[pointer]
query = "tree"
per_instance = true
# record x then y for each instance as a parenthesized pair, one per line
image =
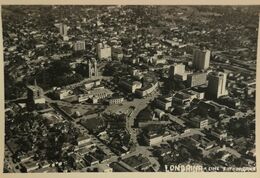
(185, 154)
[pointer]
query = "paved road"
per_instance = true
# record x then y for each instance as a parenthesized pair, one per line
(138, 104)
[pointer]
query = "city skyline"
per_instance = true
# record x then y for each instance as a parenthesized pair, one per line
(130, 88)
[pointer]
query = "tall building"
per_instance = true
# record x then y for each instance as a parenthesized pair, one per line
(92, 68)
(217, 84)
(176, 69)
(196, 79)
(79, 46)
(35, 94)
(201, 59)
(103, 51)
(63, 29)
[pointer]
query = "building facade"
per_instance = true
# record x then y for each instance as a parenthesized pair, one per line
(63, 29)
(147, 89)
(103, 51)
(35, 95)
(79, 46)
(116, 100)
(176, 69)
(196, 79)
(92, 70)
(217, 84)
(201, 59)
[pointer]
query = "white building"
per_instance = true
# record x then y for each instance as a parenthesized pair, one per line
(104, 168)
(147, 89)
(92, 84)
(103, 51)
(117, 100)
(217, 84)
(35, 94)
(176, 69)
(83, 140)
(153, 139)
(220, 134)
(62, 93)
(64, 29)
(79, 46)
(95, 94)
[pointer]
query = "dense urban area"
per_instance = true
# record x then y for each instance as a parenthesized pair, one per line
(130, 88)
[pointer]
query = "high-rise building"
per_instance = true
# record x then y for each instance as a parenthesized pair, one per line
(176, 69)
(201, 59)
(196, 79)
(217, 84)
(79, 46)
(103, 51)
(35, 94)
(92, 68)
(63, 29)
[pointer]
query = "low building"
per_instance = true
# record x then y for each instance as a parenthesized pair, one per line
(182, 100)
(198, 121)
(193, 94)
(220, 134)
(91, 160)
(167, 136)
(153, 139)
(92, 84)
(83, 140)
(104, 168)
(143, 124)
(164, 102)
(100, 93)
(65, 38)
(30, 166)
(83, 98)
(45, 170)
(203, 142)
(95, 94)
(116, 100)
(148, 89)
(199, 93)
(229, 101)
(138, 162)
(156, 60)
(62, 93)
(159, 113)
(45, 164)
(130, 86)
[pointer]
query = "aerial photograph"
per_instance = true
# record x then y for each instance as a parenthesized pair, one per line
(129, 88)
